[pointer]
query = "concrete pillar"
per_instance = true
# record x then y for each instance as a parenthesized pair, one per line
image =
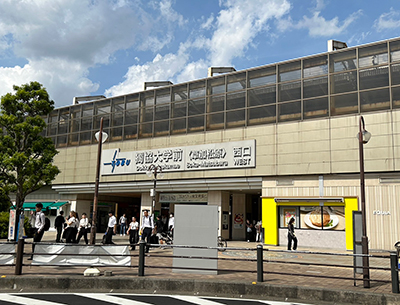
(220, 199)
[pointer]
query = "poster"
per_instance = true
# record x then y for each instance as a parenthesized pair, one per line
(238, 221)
(329, 218)
(12, 225)
(287, 214)
(225, 220)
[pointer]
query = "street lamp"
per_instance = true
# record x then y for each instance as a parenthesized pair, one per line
(154, 171)
(101, 137)
(363, 138)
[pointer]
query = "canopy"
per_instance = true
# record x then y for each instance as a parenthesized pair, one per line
(46, 204)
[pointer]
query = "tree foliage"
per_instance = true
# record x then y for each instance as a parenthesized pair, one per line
(26, 156)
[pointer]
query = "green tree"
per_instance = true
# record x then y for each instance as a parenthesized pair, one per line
(26, 156)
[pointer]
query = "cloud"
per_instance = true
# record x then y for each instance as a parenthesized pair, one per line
(389, 20)
(71, 36)
(318, 26)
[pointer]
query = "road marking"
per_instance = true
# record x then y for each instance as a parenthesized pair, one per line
(111, 298)
(24, 300)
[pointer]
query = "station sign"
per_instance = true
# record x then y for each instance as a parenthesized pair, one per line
(227, 155)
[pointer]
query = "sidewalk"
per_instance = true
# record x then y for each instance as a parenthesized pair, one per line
(231, 280)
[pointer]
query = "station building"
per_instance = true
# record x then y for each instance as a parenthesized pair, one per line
(268, 143)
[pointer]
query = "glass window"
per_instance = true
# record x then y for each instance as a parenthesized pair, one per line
(315, 66)
(286, 213)
(118, 104)
(76, 112)
(343, 61)
(215, 120)
(322, 218)
(290, 71)
(236, 82)
(262, 77)
(342, 104)
(196, 123)
(197, 106)
(373, 55)
(146, 130)
(117, 119)
(178, 126)
(130, 132)
(74, 125)
(163, 96)
(344, 82)
(179, 109)
(374, 77)
(216, 103)
(52, 129)
(394, 51)
(179, 93)
(73, 139)
(131, 117)
(375, 100)
(86, 138)
(262, 96)
(161, 128)
(146, 114)
(97, 119)
(396, 97)
(132, 101)
(116, 134)
(316, 107)
(63, 122)
(315, 87)
(289, 111)
(87, 110)
(236, 118)
(147, 99)
(62, 141)
(162, 112)
(395, 74)
(216, 85)
(197, 90)
(102, 107)
(262, 115)
(53, 117)
(290, 91)
(235, 100)
(86, 123)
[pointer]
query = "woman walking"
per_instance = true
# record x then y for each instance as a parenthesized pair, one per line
(291, 235)
(133, 233)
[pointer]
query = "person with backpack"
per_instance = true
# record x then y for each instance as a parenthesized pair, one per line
(40, 221)
(59, 225)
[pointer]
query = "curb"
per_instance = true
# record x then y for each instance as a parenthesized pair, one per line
(197, 287)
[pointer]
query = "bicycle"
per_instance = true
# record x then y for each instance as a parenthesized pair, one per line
(221, 244)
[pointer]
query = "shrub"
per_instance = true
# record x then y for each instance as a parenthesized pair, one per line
(4, 219)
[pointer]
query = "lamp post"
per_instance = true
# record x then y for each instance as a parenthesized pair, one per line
(363, 138)
(101, 137)
(154, 171)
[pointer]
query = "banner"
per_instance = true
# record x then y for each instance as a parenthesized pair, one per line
(69, 255)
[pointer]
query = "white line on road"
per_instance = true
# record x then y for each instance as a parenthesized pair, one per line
(24, 300)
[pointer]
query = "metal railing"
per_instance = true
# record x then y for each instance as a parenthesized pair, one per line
(263, 265)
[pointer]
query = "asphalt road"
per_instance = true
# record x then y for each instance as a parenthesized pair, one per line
(123, 299)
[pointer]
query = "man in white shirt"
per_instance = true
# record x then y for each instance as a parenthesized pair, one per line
(111, 228)
(171, 224)
(39, 226)
(146, 228)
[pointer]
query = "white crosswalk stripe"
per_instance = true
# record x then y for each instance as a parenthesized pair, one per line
(121, 299)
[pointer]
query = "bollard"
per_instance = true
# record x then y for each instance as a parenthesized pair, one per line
(20, 256)
(142, 246)
(260, 264)
(394, 271)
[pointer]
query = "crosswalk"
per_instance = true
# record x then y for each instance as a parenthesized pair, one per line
(123, 299)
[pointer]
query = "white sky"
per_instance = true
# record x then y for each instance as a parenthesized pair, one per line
(111, 47)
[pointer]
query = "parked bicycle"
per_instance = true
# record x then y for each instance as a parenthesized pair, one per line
(221, 244)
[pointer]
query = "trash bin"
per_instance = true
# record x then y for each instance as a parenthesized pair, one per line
(397, 246)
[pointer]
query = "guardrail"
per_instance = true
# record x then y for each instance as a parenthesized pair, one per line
(263, 264)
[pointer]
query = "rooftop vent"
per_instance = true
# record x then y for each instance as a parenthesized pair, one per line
(336, 45)
(78, 99)
(214, 70)
(157, 84)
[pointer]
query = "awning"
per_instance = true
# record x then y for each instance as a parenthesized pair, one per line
(46, 205)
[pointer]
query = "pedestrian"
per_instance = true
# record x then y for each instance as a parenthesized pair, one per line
(133, 233)
(59, 225)
(291, 235)
(171, 224)
(83, 229)
(39, 226)
(147, 228)
(72, 228)
(249, 230)
(259, 237)
(159, 229)
(111, 227)
(122, 225)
